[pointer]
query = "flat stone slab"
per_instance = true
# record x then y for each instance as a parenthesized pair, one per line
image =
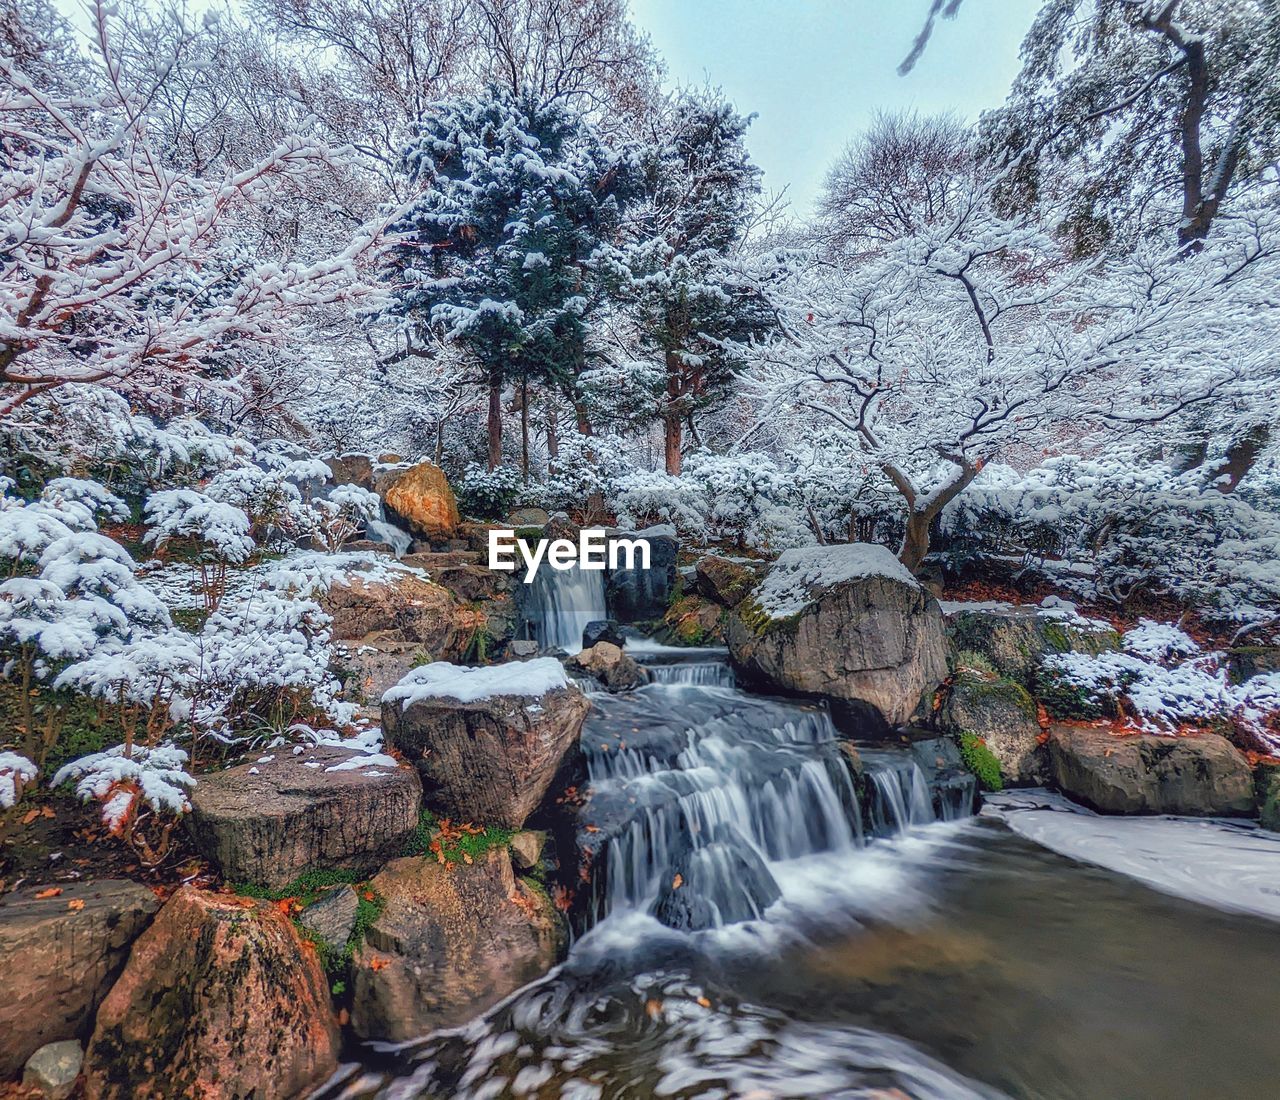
(268, 821)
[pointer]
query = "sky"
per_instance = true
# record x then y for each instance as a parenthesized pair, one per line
(816, 71)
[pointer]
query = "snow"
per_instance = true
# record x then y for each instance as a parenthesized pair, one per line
(441, 680)
(1156, 641)
(800, 574)
(15, 772)
(155, 776)
(955, 607)
(1226, 866)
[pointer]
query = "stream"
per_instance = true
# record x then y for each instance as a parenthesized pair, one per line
(845, 936)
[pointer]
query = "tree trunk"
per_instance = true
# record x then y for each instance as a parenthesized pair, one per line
(584, 425)
(553, 433)
(495, 421)
(922, 513)
(524, 427)
(672, 421)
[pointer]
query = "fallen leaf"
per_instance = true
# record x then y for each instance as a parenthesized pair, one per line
(704, 1002)
(47, 811)
(653, 1008)
(76, 904)
(377, 963)
(51, 892)
(677, 882)
(30, 816)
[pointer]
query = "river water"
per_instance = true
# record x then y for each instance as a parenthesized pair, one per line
(886, 952)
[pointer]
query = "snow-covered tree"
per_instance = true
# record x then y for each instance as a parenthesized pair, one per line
(120, 269)
(498, 252)
(678, 277)
(959, 342)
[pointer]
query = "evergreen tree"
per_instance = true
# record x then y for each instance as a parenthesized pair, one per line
(500, 249)
(680, 275)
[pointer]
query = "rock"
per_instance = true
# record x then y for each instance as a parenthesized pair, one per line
(952, 787)
(420, 497)
(53, 1069)
(449, 944)
(376, 663)
(59, 962)
(220, 998)
(694, 621)
(1267, 785)
(641, 595)
(332, 916)
(268, 821)
(522, 647)
(1203, 775)
(724, 582)
(721, 883)
(488, 761)
(560, 526)
(351, 469)
(390, 458)
(1246, 662)
(1005, 717)
(528, 517)
(405, 608)
(846, 622)
(602, 630)
(1014, 640)
(616, 670)
(526, 849)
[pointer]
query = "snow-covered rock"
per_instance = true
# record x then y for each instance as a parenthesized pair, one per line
(848, 622)
(487, 742)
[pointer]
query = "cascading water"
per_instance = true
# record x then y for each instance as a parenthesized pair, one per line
(693, 673)
(560, 603)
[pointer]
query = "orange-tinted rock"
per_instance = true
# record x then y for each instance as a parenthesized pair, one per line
(420, 496)
(218, 999)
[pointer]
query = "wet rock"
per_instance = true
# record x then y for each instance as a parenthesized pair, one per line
(522, 648)
(449, 944)
(722, 883)
(490, 760)
(352, 469)
(332, 916)
(52, 1070)
(1015, 640)
(266, 822)
(846, 622)
(724, 582)
(1203, 775)
(59, 962)
(419, 496)
(641, 595)
(602, 630)
(220, 998)
(611, 666)
(1267, 785)
(693, 621)
(1004, 715)
(526, 849)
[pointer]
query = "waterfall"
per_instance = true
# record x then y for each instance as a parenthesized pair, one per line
(711, 789)
(695, 673)
(560, 603)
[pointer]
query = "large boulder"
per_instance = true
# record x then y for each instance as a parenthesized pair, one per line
(220, 998)
(693, 621)
(420, 497)
(1014, 639)
(487, 742)
(1004, 715)
(351, 469)
(638, 595)
(449, 943)
(848, 622)
(613, 667)
(59, 956)
(400, 606)
(724, 582)
(1146, 774)
(267, 822)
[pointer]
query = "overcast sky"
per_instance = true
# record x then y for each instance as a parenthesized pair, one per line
(815, 71)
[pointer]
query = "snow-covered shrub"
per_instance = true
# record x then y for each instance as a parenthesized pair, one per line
(750, 501)
(337, 517)
(585, 470)
(219, 532)
(16, 773)
(133, 784)
(489, 494)
(66, 493)
(645, 498)
(272, 502)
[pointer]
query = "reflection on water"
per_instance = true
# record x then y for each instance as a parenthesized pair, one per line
(958, 961)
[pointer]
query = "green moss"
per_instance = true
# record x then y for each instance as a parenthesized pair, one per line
(305, 888)
(190, 619)
(529, 534)
(970, 660)
(1001, 691)
(457, 847)
(981, 761)
(422, 657)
